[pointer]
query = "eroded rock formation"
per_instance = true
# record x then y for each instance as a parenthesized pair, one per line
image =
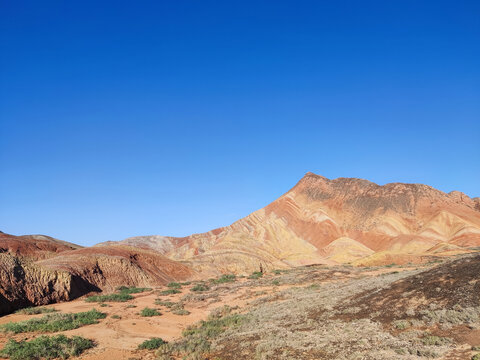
(38, 270)
(334, 221)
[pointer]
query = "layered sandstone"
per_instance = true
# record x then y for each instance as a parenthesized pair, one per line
(333, 221)
(38, 270)
(108, 267)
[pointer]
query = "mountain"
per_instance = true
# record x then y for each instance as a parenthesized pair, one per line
(318, 221)
(322, 221)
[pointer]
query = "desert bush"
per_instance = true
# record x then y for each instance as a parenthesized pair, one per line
(200, 287)
(174, 285)
(435, 340)
(147, 312)
(115, 316)
(170, 292)
(224, 279)
(55, 322)
(167, 304)
(180, 311)
(121, 297)
(476, 357)
(221, 311)
(36, 310)
(152, 344)
(131, 306)
(452, 316)
(256, 275)
(213, 326)
(200, 297)
(428, 353)
(401, 324)
(197, 339)
(46, 347)
(132, 290)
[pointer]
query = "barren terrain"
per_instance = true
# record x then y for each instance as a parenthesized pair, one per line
(312, 312)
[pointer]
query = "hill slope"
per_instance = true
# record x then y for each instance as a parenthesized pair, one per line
(305, 225)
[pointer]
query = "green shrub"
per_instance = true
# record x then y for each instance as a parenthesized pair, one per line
(131, 306)
(476, 357)
(167, 304)
(122, 297)
(170, 292)
(275, 282)
(435, 340)
(131, 290)
(200, 287)
(36, 310)
(196, 340)
(55, 322)
(174, 285)
(401, 324)
(213, 327)
(115, 316)
(224, 279)
(147, 312)
(256, 275)
(476, 348)
(178, 309)
(152, 344)
(46, 347)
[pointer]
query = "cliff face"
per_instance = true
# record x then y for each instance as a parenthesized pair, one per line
(108, 267)
(38, 270)
(334, 221)
(23, 283)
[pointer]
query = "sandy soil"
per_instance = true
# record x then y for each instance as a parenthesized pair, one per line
(118, 338)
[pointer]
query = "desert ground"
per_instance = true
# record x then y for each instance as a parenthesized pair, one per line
(412, 311)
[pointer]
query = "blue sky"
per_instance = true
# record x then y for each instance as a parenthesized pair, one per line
(122, 118)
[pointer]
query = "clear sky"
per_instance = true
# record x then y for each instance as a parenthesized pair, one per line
(123, 118)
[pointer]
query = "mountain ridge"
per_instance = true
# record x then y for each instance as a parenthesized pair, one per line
(295, 228)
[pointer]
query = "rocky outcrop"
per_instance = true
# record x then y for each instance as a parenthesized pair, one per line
(65, 271)
(108, 267)
(331, 221)
(24, 283)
